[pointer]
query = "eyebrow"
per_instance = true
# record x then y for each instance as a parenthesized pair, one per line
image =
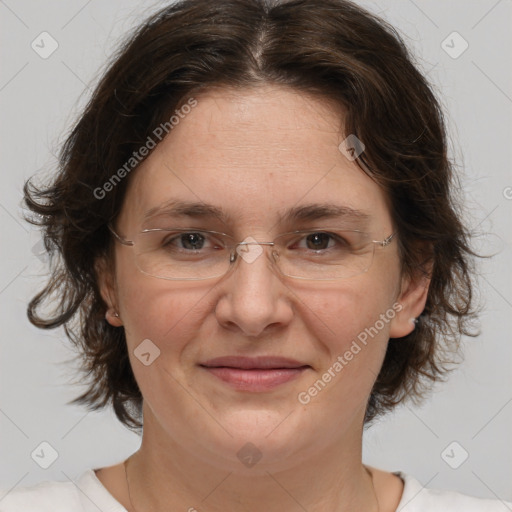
(323, 211)
(308, 212)
(175, 208)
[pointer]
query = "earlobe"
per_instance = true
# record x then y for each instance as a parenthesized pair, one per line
(108, 292)
(412, 300)
(112, 317)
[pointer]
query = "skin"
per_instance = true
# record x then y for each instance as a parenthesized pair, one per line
(255, 153)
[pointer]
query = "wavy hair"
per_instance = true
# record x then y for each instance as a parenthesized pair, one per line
(329, 48)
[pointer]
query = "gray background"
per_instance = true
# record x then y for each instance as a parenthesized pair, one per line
(39, 98)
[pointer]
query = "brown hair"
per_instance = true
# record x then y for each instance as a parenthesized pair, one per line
(330, 48)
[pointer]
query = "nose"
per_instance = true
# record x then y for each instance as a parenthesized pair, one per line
(254, 298)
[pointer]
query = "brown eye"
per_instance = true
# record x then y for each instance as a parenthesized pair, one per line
(318, 241)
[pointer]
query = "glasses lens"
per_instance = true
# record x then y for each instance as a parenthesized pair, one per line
(182, 254)
(186, 254)
(324, 254)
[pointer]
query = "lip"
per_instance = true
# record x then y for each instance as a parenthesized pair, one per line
(256, 374)
(253, 363)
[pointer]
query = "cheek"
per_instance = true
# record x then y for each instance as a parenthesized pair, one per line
(351, 326)
(339, 315)
(162, 322)
(167, 313)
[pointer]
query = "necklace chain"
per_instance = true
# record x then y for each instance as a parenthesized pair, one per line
(125, 464)
(127, 483)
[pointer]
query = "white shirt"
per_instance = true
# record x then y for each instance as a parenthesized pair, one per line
(88, 494)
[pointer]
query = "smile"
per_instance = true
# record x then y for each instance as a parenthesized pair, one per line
(254, 374)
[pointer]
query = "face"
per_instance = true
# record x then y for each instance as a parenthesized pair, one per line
(254, 155)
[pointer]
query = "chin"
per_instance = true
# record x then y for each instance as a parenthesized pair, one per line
(260, 441)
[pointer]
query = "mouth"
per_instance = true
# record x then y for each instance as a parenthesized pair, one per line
(255, 374)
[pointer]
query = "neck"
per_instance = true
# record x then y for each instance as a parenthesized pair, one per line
(163, 472)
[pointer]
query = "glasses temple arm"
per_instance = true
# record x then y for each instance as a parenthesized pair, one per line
(119, 238)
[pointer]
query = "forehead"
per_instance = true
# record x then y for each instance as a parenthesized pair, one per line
(268, 108)
(254, 153)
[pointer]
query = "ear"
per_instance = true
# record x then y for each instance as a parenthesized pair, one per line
(412, 299)
(106, 284)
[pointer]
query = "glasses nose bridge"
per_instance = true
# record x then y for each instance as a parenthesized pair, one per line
(234, 250)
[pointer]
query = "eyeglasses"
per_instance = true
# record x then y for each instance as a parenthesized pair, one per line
(192, 254)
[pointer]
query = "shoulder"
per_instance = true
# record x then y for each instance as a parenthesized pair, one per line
(44, 497)
(85, 495)
(416, 498)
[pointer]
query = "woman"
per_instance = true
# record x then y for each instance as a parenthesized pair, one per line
(260, 255)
